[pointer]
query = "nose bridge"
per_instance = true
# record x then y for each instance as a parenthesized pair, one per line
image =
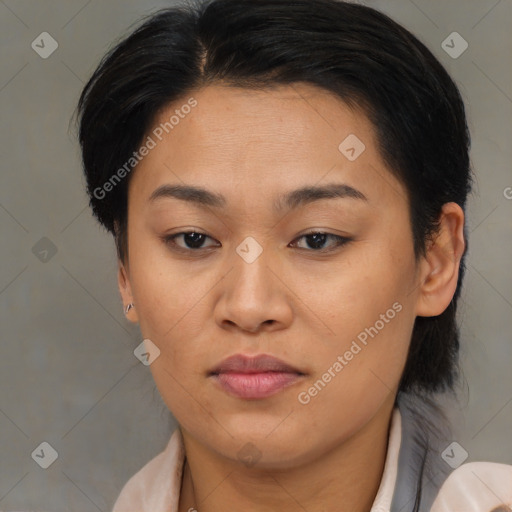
(252, 275)
(252, 294)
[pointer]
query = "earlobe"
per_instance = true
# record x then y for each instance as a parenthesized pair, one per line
(439, 270)
(123, 281)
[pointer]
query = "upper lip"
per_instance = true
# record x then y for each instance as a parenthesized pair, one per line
(240, 363)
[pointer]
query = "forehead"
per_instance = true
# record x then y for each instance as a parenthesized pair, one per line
(296, 120)
(260, 141)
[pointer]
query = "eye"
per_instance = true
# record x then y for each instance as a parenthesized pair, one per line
(191, 240)
(316, 241)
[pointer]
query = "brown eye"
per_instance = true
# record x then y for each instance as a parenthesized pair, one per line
(317, 240)
(191, 240)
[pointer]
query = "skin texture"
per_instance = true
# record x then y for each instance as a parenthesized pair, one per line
(294, 302)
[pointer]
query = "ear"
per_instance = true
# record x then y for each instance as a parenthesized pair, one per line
(123, 281)
(439, 268)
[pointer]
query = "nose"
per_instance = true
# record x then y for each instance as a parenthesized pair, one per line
(254, 297)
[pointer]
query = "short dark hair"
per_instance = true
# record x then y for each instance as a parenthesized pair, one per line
(359, 54)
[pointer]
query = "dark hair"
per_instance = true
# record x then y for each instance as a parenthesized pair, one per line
(359, 54)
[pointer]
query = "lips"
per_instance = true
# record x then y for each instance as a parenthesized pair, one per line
(254, 377)
(256, 364)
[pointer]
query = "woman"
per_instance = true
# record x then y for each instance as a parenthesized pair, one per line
(286, 185)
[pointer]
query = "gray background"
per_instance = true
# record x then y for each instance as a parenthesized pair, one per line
(68, 375)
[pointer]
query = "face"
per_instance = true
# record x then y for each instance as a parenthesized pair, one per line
(325, 280)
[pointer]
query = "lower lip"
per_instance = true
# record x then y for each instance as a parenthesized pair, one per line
(255, 385)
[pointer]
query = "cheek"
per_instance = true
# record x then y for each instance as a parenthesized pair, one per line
(368, 308)
(358, 370)
(352, 292)
(177, 384)
(168, 295)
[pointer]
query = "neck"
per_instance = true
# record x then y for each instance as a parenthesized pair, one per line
(346, 478)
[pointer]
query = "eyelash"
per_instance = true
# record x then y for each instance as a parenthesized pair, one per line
(340, 241)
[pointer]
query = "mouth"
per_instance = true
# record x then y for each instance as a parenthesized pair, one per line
(254, 378)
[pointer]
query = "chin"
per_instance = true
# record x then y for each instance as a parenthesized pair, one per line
(260, 445)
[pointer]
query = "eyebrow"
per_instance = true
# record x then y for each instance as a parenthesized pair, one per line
(311, 193)
(290, 200)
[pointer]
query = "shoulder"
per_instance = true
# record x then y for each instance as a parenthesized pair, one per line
(157, 484)
(476, 487)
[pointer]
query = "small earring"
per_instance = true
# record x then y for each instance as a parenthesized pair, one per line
(128, 307)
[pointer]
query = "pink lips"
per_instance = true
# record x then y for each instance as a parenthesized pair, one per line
(254, 377)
